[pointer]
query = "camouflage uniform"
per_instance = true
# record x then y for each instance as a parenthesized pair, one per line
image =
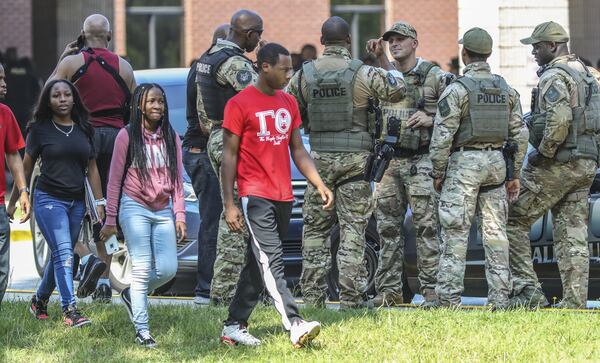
(562, 187)
(407, 181)
(238, 72)
(353, 200)
(473, 181)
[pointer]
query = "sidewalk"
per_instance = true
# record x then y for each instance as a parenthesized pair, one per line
(20, 231)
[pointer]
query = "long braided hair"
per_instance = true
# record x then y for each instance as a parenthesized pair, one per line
(137, 145)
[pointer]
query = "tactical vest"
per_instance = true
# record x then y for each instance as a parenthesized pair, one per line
(335, 125)
(214, 94)
(581, 140)
(489, 111)
(411, 139)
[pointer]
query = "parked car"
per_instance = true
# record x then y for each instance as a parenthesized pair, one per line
(542, 251)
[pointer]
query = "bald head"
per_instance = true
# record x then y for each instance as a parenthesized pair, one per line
(96, 27)
(335, 30)
(221, 32)
(245, 29)
(245, 20)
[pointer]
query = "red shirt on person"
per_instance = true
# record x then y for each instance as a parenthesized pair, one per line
(10, 141)
(264, 124)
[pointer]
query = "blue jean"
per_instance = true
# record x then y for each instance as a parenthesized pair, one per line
(206, 187)
(4, 251)
(59, 221)
(152, 246)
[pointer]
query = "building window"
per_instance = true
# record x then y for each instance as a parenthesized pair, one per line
(154, 33)
(366, 19)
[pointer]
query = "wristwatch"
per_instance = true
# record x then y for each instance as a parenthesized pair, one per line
(100, 202)
(24, 190)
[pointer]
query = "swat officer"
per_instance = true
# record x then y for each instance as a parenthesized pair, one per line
(477, 114)
(407, 179)
(223, 71)
(332, 93)
(564, 120)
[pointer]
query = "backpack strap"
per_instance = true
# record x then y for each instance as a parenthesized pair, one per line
(116, 76)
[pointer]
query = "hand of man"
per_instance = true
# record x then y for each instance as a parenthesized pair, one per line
(181, 229)
(234, 218)
(375, 46)
(437, 184)
(419, 119)
(107, 231)
(327, 197)
(25, 207)
(512, 189)
(70, 49)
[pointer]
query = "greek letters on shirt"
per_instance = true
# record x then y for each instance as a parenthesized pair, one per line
(282, 121)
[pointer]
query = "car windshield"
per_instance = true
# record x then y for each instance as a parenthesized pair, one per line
(176, 98)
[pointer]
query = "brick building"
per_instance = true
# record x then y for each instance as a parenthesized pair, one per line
(25, 24)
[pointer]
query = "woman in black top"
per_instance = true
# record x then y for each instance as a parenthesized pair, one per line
(61, 136)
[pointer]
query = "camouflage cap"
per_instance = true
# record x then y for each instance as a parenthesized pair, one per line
(547, 32)
(477, 40)
(400, 28)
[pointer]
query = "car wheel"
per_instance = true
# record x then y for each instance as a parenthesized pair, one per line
(120, 268)
(370, 261)
(41, 252)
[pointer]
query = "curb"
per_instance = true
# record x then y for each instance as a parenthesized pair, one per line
(20, 235)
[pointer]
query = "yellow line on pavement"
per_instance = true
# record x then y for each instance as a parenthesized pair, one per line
(20, 235)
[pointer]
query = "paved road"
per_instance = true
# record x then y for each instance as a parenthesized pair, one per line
(24, 280)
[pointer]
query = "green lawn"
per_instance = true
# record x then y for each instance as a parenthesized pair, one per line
(190, 334)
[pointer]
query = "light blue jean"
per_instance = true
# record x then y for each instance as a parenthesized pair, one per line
(59, 221)
(152, 246)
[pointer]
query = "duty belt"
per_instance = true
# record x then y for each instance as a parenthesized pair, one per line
(470, 148)
(404, 153)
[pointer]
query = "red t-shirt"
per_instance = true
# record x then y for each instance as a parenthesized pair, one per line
(10, 142)
(264, 124)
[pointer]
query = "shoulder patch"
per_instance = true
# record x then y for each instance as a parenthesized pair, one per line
(551, 94)
(243, 77)
(444, 107)
(391, 80)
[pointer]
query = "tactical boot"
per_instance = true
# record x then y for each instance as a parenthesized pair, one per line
(533, 300)
(351, 305)
(387, 299)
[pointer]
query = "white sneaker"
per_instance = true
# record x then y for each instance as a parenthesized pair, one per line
(238, 334)
(302, 332)
(201, 300)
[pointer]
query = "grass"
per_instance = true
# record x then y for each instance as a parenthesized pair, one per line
(190, 334)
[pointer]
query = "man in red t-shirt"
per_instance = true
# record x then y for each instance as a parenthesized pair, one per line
(10, 143)
(260, 129)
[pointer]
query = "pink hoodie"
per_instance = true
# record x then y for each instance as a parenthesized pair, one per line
(157, 192)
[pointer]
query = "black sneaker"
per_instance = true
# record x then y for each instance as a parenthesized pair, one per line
(90, 273)
(73, 317)
(144, 339)
(102, 294)
(126, 297)
(39, 308)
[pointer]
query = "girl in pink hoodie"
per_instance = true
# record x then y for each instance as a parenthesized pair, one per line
(145, 191)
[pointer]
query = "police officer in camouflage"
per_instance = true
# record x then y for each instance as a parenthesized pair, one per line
(563, 128)
(333, 93)
(407, 179)
(477, 115)
(223, 71)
